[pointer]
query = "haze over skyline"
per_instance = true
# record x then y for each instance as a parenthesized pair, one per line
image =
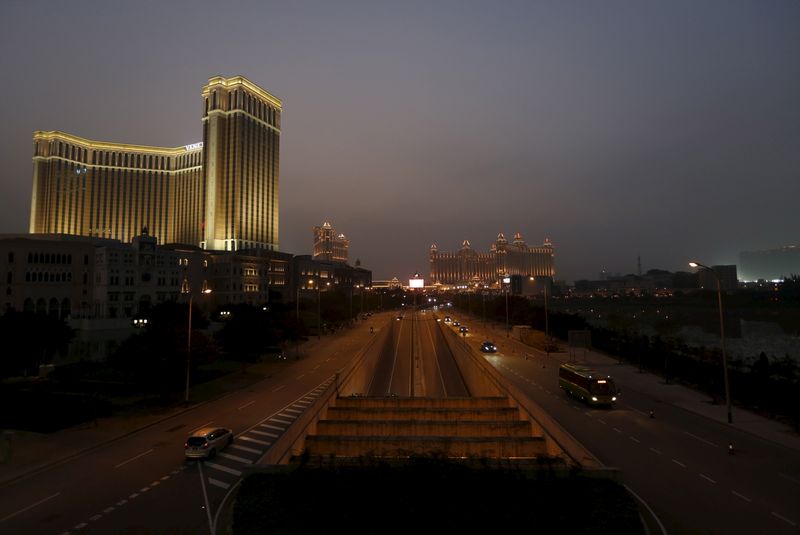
(669, 131)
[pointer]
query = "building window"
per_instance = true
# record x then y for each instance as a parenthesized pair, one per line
(10, 257)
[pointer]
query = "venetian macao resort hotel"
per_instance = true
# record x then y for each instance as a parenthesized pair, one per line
(220, 194)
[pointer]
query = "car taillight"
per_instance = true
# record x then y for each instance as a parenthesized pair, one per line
(205, 445)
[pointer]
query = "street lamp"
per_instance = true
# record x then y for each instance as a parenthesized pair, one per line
(506, 281)
(189, 336)
(721, 335)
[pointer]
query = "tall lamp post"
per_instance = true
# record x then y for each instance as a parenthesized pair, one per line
(506, 282)
(186, 290)
(721, 335)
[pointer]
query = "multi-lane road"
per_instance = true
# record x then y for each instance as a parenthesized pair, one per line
(678, 461)
(142, 484)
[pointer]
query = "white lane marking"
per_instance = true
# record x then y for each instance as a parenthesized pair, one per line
(81, 525)
(742, 496)
(790, 478)
(205, 497)
(202, 426)
(776, 515)
(263, 443)
(302, 402)
(655, 451)
(155, 483)
(275, 427)
(132, 496)
(122, 502)
(245, 448)
(95, 518)
(589, 414)
(123, 463)
(235, 458)
(700, 439)
(635, 439)
(290, 416)
(315, 368)
(301, 376)
(707, 478)
(617, 430)
(327, 359)
(264, 433)
(108, 509)
(143, 490)
(284, 422)
(223, 468)
(293, 410)
(679, 463)
(12, 515)
(218, 483)
(246, 405)
(165, 478)
(276, 389)
(660, 525)
(601, 421)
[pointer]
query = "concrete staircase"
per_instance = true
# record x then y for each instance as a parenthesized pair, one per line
(400, 427)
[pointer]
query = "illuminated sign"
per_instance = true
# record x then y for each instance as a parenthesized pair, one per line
(194, 146)
(416, 283)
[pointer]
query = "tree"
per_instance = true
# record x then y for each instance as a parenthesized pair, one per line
(248, 333)
(40, 338)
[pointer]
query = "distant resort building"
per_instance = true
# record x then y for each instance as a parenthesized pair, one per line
(328, 245)
(472, 268)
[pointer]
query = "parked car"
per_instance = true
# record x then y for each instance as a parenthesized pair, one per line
(456, 323)
(463, 329)
(207, 442)
(488, 347)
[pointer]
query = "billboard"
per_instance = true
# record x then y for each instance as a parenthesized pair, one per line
(416, 283)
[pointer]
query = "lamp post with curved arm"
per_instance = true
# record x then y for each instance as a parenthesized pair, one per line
(721, 335)
(189, 338)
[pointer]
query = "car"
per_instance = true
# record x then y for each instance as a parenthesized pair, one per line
(447, 319)
(456, 323)
(206, 442)
(398, 318)
(463, 329)
(488, 347)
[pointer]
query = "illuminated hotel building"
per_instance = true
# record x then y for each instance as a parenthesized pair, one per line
(328, 245)
(469, 267)
(221, 194)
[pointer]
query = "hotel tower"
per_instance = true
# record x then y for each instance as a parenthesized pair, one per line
(220, 194)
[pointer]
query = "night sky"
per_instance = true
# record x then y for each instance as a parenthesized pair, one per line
(669, 130)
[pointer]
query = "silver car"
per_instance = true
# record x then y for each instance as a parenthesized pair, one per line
(207, 442)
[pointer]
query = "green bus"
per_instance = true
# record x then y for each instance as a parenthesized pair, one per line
(587, 384)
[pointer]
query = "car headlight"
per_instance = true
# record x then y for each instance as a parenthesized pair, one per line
(594, 398)
(614, 398)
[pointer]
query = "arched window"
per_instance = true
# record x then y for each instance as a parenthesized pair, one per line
(54, 307)
(28, 305)
(66, 308)
(41, 306)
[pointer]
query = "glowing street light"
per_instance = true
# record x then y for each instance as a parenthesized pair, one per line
(721, 335)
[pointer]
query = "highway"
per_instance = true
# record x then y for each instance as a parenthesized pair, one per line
(678, 461)
(417, 362)
(142, 484)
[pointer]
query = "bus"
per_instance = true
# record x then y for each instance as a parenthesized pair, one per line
(587, 384)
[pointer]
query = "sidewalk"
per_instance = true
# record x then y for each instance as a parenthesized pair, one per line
(645, 383)
(24, 452)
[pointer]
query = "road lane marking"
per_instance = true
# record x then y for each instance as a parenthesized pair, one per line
(145, 489)
(263, 443)
(601, 421)
(235, 458)
(617, 430)
(652, 514)
(635, 439)
(246, 405)
(327, 359)
(742, 496)
(273, 427)
(95, 518)
(122, 502)
(776, 515)
(264, 434)
(315, 368)
(589, 414)
(108, 509)
(165, 478)
(155, 483)
(223, 468)
(278, 388)
(700, 439)
(81, 525)
(284, 422)
(790, 478)
(293, 410)
(707, 478)
(132, 496)
(245, 448)
(123, 463)
(679, 463)
(301, 376)
(218, 483)
(12, 515)
(290, 416)
(655, 451)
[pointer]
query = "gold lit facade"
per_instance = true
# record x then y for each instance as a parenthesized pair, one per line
(221, 194)
(328, 245)
(469, 267)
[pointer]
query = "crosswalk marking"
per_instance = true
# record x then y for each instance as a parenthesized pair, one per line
(263, 443)
(235, 458)
(223, 468)
(218, 483)
(277, 420)
(275, 427)
(294, 411)
(245, 448)
(264, 434)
